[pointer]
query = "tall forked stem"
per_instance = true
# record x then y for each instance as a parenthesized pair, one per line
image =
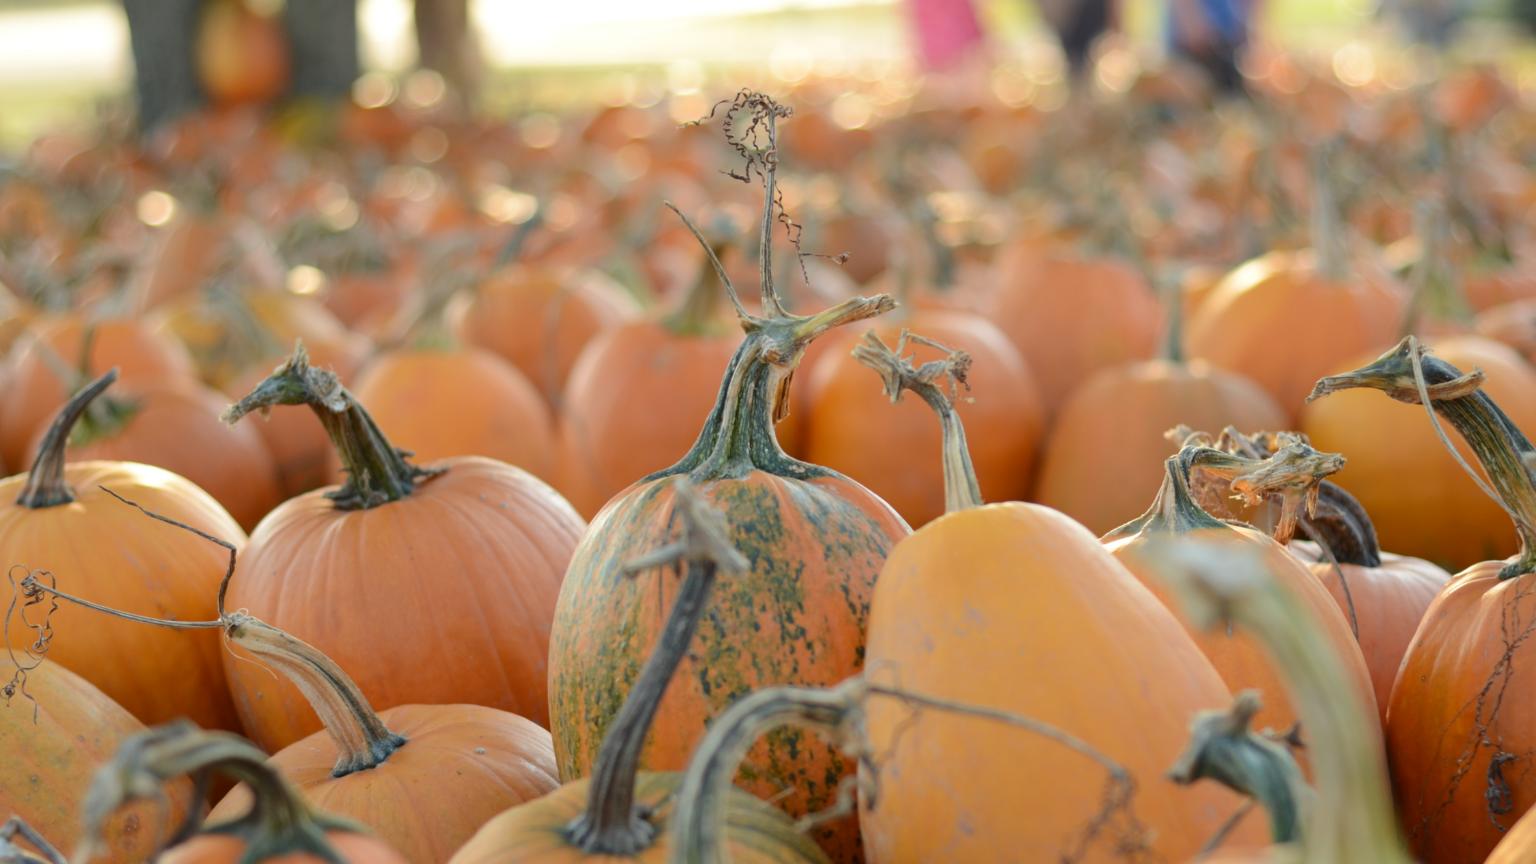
(1350, 819)
(45, 486)
(377, 471)
(1223, 748)
(1409, 374)
(937, 382)
(279, 822)
(611, 824)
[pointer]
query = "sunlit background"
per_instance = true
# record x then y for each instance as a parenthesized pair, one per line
(59, 58)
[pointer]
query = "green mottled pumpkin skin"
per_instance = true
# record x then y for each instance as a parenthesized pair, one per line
(798, 617)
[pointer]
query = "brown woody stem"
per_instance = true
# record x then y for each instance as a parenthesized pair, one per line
(1331, 255)
(1350, 819)
(10, 853)
(279, 822)
(611, 824)
(362, 741)
(1222, 748)
(1408, 374)
(961, 489)
(377, 471)
(1293, 473)
(45, 486)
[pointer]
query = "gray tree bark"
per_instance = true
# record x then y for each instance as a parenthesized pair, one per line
(323, 37)
(161, 33)
(445, 45)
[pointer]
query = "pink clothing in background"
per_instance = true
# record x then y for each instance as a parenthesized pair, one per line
(946, 30)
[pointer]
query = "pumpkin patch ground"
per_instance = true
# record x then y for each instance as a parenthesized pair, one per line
(994, 447)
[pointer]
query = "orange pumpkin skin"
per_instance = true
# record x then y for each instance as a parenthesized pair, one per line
(460, 766)
(1518, 846)
(797, 618)
(241, 57)
(1389, 604)
(1488, 289)
(473, 558)
(178, 429)
(853, 428)
(1513, 324)
(48, 763)
(1041, 307)
(102, 550)
(35, 393)
(1103, 460)
(1280, 323)
(536, 832)
(223, 849)
(1243, 662)
(457, 403)
(1459, 687)
(633, 405)
(1090, 651)
(1434, 511)
(538, 322)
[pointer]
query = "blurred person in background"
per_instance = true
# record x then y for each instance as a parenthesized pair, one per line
(1211, 34)
(1078, 24)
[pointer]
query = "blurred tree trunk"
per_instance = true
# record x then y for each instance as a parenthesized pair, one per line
(323, 37)
(446, 46)
(161, 33)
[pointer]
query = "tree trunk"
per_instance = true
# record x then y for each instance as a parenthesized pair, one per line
(161, 33)
(323, 38)
(446, 46)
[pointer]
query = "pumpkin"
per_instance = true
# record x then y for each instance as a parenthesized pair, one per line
(815, 540)
(46, 372)
(1062, 346)
(1456, 727)
(1514, 324)
(619, 811)
(55, 729)
(240, 56)
(177, 428)
(1382, 595)
(1518, 846)
(59, 518)
(1284, 319)
(1099, 464)
(424, 777)
(538, 321)
(637, 396)
(279, 826)
(1242, 661)
(1435, 511)
(472, 539)
(1023, 582)
(467, 402)
(850, 433)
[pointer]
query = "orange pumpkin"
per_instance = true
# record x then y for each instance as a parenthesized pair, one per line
(1040, 306)
(38, 387)
(815, 540)
(1024, 582)
(102, 550)
(53, 737)
(1284, 321)
(469, 402)
(1435, 511)
(850, 432)
(540, 322)
(394, 541)
(1459, 724)
(241, 57)
(1518, 846)
(425, 777)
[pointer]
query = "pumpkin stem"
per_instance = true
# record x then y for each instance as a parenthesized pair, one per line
(46, 486)
(279, 822)
(13, 854)
(377, 471)
(698, 823)
(1350, 819)
(738, 436)
(1222, 748)
(1174, 510)
(611, 824)
(699, 313)
(362, 741)
(1330, 254)
(1409, 374)
(961, 490)
(1173, 338)
(1437, 292)
(1293, 473)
